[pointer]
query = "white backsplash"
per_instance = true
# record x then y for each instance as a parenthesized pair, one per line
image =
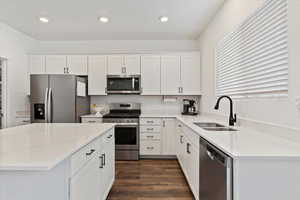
(150, 104)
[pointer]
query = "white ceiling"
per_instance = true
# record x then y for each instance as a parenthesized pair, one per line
(130, 19)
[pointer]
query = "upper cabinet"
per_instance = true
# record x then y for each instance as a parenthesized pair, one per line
(190, 74)
(37, 64)
(97, 71)
(180, 74)
(150, 75)
(77, 65)
(124, 64)
(170, 75)
(56, 64)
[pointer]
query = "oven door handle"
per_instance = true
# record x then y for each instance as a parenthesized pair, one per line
(126, 124)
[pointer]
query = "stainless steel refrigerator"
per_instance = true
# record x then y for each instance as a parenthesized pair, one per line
(58, 98)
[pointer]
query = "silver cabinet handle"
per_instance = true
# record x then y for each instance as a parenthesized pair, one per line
(164, 123)
(181, 141)
(91, 121)
(150, 122)
(150, 129)
(178, 89)
(110, 136)
(179, 125)
(150, 148)
(104, 159)
(150, 136)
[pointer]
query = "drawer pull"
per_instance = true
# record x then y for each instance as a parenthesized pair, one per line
(91, 121)
(150, 122)
(150, 136)
(150, 129)
(150, 148)
(188, 148)
(91, 152)
(179, 125)
(101, 158)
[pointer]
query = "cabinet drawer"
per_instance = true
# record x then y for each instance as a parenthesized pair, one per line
(82, 156)
(150, 129)
(150, 136)
(150, 121)
(91, 120)
(150, 147)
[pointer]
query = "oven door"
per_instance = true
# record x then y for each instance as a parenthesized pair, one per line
(123, 85)
(127, 137)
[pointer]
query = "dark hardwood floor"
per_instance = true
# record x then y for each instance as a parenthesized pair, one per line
(149, 180)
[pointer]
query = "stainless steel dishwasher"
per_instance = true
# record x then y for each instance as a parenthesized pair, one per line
(215, 173)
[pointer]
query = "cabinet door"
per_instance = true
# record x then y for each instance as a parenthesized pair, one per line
(132, 64)
(168, 137)
(97, 72)
(86, 183)
(77, 65)
(150, 68)
(56, 64)
(190, 74)
(170, 75)
(115, 64)
(37, 64)
(193, 170)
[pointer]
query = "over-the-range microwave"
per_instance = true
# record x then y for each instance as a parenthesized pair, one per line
(117, 84)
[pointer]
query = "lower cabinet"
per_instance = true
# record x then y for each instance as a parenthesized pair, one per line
(157, 136)
(187, 145)
(94, 179)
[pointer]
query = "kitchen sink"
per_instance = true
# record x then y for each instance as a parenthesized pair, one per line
(208, 124)
(211, 126)
(219, 129)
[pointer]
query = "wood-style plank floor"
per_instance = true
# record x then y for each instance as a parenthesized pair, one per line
(149, 180)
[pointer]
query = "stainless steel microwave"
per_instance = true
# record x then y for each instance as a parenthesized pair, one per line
(123, 84)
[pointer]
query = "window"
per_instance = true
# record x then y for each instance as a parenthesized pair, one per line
(253, 60)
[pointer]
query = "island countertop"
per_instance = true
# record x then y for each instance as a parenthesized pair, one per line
(43, 146)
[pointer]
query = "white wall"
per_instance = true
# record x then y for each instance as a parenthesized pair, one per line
(278, 111)
(115, 46)
(14, 46)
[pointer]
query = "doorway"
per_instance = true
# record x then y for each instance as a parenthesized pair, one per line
(3, 93)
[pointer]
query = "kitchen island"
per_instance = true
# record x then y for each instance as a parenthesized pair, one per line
(57, 161)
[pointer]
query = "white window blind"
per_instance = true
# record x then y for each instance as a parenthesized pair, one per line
(253, 60)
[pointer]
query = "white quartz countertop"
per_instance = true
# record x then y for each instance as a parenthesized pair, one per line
(43, 146)
(92, 116)
(246, 143)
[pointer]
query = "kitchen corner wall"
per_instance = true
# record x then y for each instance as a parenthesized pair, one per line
(14, 46)
(277, 111)
(150, 104)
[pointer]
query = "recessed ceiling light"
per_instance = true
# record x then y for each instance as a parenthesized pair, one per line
(103, 19)
(44, 20)
(163, 19)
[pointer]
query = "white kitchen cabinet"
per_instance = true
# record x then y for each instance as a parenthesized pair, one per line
(168, 136)
(150, 75)
(188, 156)
(77, 64)
(97, 72)
(115, 65)
(86, 183)
(170, 75)
(124, 64)
(56, 64)
(37, 64)
(190, 74)
(132, 64)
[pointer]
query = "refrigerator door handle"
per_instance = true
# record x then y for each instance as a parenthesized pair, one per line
(50, 117)
(46, 105)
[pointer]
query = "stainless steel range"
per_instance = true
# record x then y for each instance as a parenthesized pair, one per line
(126, 116)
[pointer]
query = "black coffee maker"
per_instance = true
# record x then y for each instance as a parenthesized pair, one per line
(189, 107)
